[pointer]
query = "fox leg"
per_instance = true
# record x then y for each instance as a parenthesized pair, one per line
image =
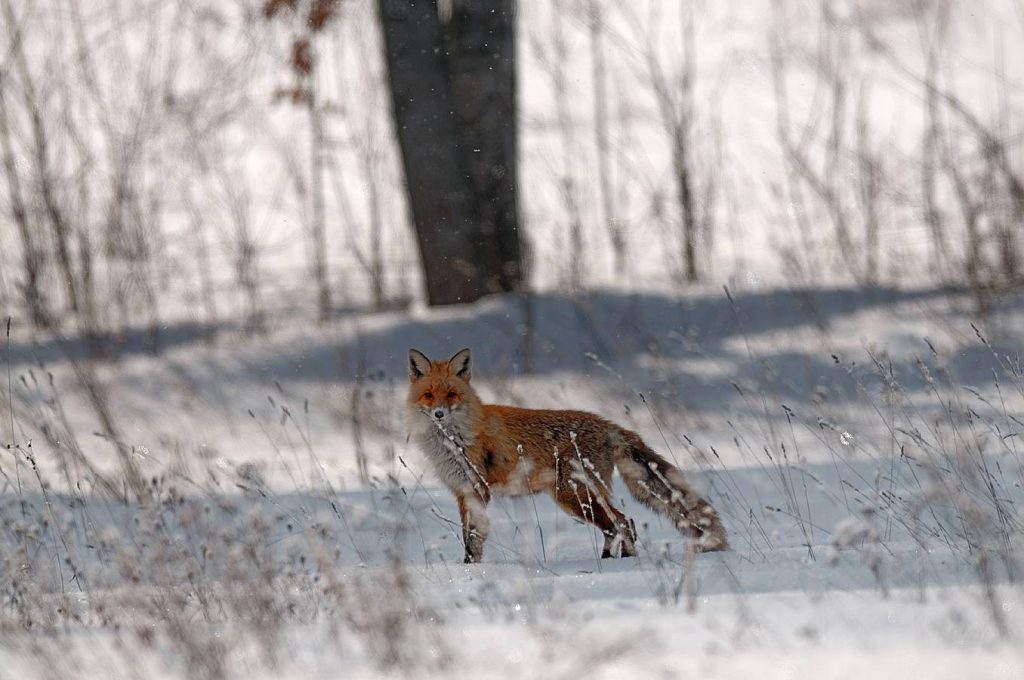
(624, 539)
(594, 507)
(473, 511)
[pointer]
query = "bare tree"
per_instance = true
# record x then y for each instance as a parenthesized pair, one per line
(310, 18)
(824, 178)
(32, 257)
(674, 96)
(238, 202)
(553, 53)
(365, 133)
(932, 29)
(996, 194)
(596, 13)
(40, 154)
(870, 171)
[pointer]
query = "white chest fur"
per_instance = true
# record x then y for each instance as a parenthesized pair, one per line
(445, 449)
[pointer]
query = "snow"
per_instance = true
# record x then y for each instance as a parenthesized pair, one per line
(848, 555)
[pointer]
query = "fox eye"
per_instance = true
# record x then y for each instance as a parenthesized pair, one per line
(451, 395)
(428, 395)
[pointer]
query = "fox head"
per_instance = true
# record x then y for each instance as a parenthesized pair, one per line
(440, 390)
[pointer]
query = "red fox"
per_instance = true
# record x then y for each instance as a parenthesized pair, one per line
(482, 449)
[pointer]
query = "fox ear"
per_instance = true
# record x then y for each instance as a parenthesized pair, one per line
(419, 364)
(459, 364)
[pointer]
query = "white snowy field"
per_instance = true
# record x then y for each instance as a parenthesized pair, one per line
(862, 446)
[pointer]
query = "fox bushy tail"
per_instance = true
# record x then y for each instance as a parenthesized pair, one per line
(661, 486)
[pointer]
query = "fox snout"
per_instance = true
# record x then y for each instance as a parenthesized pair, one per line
(439, 412)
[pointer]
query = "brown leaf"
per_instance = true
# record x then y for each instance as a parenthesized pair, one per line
(321, 12)
(302, 56)
(272, 7)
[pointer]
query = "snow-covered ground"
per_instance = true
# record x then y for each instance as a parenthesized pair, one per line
(870, 486)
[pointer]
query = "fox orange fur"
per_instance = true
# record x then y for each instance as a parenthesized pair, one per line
(479, 450)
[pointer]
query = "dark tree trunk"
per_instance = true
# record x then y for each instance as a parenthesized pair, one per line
(481, 41)
(454, 106)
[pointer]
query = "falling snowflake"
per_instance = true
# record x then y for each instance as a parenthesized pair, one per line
(846, 438)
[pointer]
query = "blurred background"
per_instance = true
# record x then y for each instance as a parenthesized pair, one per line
(216, 162)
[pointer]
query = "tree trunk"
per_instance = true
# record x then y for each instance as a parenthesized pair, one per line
(454, 111)
(689, 217)
(481, 39)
